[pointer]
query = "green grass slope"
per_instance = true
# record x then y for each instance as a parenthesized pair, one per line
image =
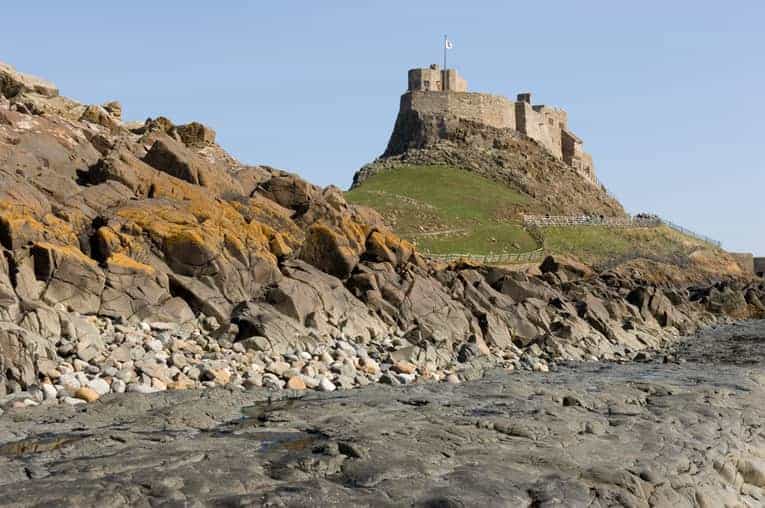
(443, 209)
(598, 245)
(447, 210)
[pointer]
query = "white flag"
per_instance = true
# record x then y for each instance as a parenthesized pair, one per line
(448, 44)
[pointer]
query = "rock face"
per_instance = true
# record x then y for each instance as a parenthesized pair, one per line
(679, 431)
(120, 224)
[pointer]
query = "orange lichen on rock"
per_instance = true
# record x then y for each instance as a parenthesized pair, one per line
(64, 252)
(329, 250)
(385, 246)
(195, 233)
(122, 263)
(19, 226)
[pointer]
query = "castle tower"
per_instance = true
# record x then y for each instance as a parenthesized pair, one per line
(434, 79)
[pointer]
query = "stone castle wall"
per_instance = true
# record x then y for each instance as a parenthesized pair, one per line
(541, 125)
(493, 110)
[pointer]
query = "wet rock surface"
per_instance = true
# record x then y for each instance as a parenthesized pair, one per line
(680, 428)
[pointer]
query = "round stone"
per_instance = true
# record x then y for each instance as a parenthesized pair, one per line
(325, 385)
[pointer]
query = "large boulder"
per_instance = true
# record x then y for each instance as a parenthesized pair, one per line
(175, 159)
(195, 134)
(320, 301)
(70, 277)
(20, 350)
(100, 116)
(13, 83)
(565, 268)
(654, 304)
(520, 287)
(289, 191)
(329, 250)
(135, 291)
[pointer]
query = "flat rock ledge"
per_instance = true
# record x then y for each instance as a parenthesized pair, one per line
(682, 430)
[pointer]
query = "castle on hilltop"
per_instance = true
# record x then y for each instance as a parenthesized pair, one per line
(434, 90)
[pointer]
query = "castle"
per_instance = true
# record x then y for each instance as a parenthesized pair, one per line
(443, 91)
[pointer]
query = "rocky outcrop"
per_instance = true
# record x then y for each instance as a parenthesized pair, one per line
(503, 155)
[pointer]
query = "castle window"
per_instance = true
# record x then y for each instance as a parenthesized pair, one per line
(550, 121)
(426, 85)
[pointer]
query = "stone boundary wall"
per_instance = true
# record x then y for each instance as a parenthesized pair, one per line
(493, 110)
(588, 220)
(650, 221)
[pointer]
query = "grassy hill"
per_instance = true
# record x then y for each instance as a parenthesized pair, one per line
(444, 209)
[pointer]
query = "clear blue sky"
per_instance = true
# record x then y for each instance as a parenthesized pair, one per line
(668, 96)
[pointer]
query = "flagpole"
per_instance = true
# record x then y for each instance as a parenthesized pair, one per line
(445, 39)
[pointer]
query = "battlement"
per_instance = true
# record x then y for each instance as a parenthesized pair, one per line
(437, 91)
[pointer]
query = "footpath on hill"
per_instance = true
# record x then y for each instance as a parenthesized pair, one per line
(681, 429)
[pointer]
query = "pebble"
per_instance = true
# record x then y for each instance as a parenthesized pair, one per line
(99, 385)
(70, 380)
(139, 388)
(325, 385)
(154, 345)
(79, 364)
(278, 368)
(118, 386)
(272, 381)
(404, 367)
(73, 401)
(87, 394)
(157, 356)
(49, 391)
(296, 383)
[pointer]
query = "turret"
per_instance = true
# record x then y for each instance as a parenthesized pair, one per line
(434, 79)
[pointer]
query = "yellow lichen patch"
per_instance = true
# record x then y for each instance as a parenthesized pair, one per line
(329, 250)
(126, 263)
(60, 230)
(356, 233)
(197, 232)
(20, 226)
(377, 247)
(403, 249)
(66, 251)
(278, 246)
